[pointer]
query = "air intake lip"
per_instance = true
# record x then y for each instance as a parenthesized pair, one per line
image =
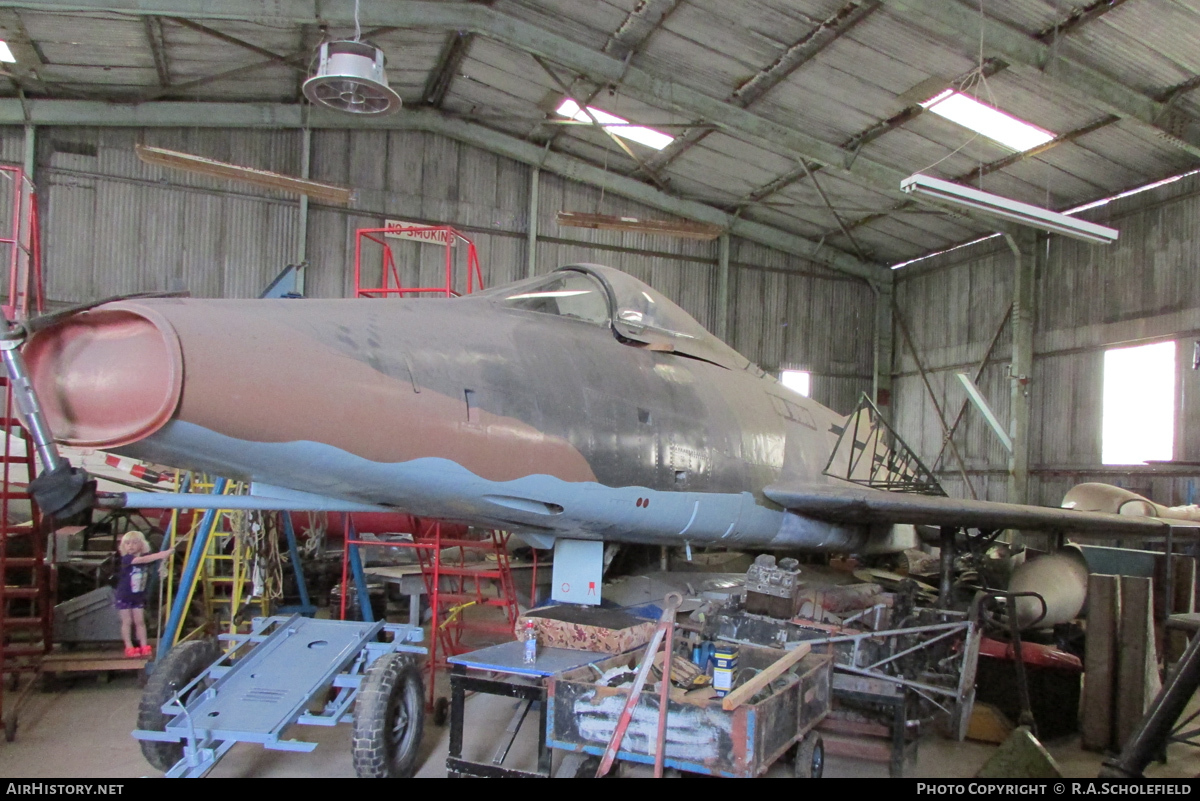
(107, 377)
(350, 78)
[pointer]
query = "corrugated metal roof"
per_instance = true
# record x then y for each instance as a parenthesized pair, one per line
(855, 82)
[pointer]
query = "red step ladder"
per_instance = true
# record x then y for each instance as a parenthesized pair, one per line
(455, 585)
(27, 582)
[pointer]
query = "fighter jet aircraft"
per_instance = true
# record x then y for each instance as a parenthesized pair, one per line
(582, 405)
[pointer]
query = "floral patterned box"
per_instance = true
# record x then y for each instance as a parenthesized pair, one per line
(587, 628)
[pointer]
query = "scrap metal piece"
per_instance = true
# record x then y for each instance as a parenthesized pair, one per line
(773, 589)
(1060, 578)
(1021, 756)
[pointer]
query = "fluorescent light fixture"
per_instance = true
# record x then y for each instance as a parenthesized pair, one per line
(991, 122)
(615, 125)
(1024, 213)
(6, 54)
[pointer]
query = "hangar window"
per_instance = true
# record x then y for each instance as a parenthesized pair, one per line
(1138, 423)
(983, 119)
(566, 294)
(797, 381)
(615, 125)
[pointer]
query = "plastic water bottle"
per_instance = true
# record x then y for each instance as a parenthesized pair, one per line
(530, 643)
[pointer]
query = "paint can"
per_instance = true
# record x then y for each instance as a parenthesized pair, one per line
(724, 666)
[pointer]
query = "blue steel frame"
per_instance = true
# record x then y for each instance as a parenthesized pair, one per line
(203, 748)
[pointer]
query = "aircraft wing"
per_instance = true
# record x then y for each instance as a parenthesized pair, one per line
(852, 504)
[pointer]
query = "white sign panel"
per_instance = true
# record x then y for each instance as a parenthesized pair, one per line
(426, 234)
(578, 571)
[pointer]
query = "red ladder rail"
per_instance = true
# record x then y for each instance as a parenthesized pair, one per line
(27, 581)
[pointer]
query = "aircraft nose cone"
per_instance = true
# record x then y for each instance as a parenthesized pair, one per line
(107, 377)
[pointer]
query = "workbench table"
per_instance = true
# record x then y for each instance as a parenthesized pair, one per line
(508, 676)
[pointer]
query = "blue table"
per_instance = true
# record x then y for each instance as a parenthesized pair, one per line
(508, 676)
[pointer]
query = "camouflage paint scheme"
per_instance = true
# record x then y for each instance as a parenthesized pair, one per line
(582, 404)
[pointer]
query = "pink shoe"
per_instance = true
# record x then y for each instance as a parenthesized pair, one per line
(132, 653)
(146, 650)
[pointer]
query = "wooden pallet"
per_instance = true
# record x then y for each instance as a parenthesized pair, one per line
(91, 661)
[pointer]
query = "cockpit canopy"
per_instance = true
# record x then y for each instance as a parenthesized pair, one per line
(606, 296)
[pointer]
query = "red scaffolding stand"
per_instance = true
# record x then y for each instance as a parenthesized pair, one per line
(454, 585)
(26, 580)
(390, 283)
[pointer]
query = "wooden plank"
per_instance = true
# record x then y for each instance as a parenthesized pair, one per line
(858, 728)
(1185, 584)
(84, 662)
(777, 668)
(681, 228)
(872, 749)
(1137, 662)
(1100, 661)
(1184, 603)
(220, 169)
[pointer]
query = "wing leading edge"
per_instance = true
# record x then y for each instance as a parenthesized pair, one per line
(848, 504)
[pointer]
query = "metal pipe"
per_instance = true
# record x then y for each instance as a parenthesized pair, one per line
(30, 156)
(535, 180)
(1021, 370)
(722, 321)
(664, 690)
(294, 554)
(27, 402)
(907, 651)
(946, 587)
(1169, 569)
(360, 584)
(189, 500)
(302, 223)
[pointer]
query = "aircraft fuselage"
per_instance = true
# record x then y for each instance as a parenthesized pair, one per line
(482, 409)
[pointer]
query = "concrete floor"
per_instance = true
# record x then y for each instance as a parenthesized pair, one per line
(82, 731)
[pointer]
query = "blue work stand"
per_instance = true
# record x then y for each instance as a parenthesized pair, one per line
(266, 683)
(501, 670)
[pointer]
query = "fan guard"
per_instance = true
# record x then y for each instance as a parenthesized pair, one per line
(350, 78)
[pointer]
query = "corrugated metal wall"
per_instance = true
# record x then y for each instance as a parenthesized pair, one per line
(1088, 298)
(113, 224)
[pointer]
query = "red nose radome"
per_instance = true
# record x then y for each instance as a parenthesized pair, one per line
(107, 377)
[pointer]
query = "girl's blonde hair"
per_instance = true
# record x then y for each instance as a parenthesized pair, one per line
(135, 539)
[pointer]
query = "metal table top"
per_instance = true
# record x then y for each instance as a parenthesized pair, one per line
(509, 657)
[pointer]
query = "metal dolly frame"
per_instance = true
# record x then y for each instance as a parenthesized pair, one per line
(267, 681)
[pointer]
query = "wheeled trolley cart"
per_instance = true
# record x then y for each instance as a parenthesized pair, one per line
(701, 736)
(197, 704)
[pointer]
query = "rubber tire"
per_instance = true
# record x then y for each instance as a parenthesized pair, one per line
(441, 711)
(591, 764)
(392, 684)
(184, 662)
(810, 757)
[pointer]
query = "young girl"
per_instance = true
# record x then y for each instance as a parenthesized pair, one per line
(131, 589)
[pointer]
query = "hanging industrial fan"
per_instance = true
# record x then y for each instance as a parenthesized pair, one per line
(350, 78)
